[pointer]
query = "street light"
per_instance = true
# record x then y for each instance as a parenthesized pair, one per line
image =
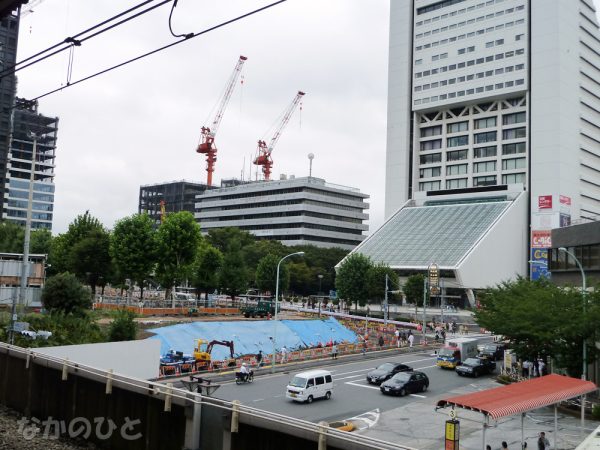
(320, 280)
(583, 295)
(276, 303)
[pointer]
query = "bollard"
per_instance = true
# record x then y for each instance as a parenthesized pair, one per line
(235, 416)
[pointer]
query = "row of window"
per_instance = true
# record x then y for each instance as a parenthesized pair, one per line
(23, 214)
(20, 184)
(477, 90)
(471, 21)
(24, 194)
(480, 152)
(469, 63)
(458, 183)
(471, 34)
(478, 167)
(587, 255)
(478, 138)
(35, 206)
(443, 4)
(487, 73)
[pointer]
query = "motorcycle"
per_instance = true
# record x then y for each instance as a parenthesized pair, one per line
(241, 378)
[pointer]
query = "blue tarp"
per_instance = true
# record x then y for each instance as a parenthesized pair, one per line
(251, 336)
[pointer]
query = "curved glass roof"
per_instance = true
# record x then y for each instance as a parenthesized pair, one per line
(419, 236)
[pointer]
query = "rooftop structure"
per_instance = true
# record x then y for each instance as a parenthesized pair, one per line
(174, 195)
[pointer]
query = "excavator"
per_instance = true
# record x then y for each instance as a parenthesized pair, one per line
(203, 349)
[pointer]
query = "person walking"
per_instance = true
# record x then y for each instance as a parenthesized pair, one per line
(543, 443)
(334, 351)
(542, 367)
(397, 334)
(380, 342)
(411, 338)
(259, 358)
(284, 352)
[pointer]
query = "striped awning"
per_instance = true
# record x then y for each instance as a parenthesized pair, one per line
(520, 397)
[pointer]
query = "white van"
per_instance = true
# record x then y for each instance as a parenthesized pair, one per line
(307, 386)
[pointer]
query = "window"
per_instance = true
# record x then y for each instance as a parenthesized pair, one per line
(429, 159)
(481, 138)
(487, 166)
(512, 149)
(514, 163)
(484, 181)
(458, 141)
(513, 178)
(487, 122)
(484, 152)
(515, 133)
(457, 169)
(430, 172)
(510, 119)
(458, 126)
(457, 155)
(418, 61)
(430, 186)
(328, 379)
(431, 145)
(431, 131)
(456, 184)
(320, 380)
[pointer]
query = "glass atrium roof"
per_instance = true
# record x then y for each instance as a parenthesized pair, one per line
(419, 236)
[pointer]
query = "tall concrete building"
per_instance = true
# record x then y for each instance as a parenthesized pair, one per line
(487, 97)
(173, 196)
(295, 211)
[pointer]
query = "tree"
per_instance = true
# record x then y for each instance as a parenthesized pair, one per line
(90, 258)
(376, 281)
(233, 275)
(133, 248)
(541, 319)
(413, 289)
(206, 268)
(257, 250)
(11, 237)
(58, 259)
(221, 238)
(351, 279)
(123, 327)
(303, 279)
(41, 240)
(266, 275)
(63, 292)
(178, 238)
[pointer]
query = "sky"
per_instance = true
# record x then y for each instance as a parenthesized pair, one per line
(140, 124)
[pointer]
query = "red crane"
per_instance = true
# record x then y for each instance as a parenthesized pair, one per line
(206, 145)
(264, 153)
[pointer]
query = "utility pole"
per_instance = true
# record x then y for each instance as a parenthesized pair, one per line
(424, 307)
(385, 302)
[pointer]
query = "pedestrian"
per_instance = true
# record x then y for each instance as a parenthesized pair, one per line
(443, 336)
(284, 352)
(380, 341)
(259, 358)
(504, 445)
(364, 346)
(334, 351)
(411, 338)
(536, 365)
(526, 368)
(543, 443)
(397, 334)
(542, 367)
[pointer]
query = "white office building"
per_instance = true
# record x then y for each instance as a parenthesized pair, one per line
(295, 211)
(487, 97)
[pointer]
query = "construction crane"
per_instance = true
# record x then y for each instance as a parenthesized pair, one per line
(207, 141)
(264, 152)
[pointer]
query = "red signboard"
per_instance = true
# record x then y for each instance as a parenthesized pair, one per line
(564, 200)
(545, 202)
(541, 239)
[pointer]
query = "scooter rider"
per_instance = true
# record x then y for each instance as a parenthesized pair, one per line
(244, 372)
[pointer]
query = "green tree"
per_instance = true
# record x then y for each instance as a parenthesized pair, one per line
(64, 293)
(376, 281)
(123, 327)
(233, 275)
(40, 242)
(178, 238)
(58, 256)
(11, 237)
(90, 258)
(206, 269)
(541, 319)
(133, 248)
(257, 250)
(413, 289)
(221, 238)
(351, 280)
(266, 274)
(303, 279)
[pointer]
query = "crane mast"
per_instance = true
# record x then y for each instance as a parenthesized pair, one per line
(208, 134)
(264, 151)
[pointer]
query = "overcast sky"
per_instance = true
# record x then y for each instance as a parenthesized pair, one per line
(141, 124)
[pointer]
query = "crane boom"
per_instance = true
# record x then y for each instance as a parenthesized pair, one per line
(208, 134)
(264, 152)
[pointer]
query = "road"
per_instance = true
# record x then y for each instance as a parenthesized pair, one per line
(352, 395)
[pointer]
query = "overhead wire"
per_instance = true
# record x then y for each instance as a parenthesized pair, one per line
(188, 35)
(160, 49)
(71, 41)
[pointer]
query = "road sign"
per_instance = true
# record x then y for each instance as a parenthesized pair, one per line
(434, 279)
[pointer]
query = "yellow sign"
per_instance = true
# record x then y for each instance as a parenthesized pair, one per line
(450, 430)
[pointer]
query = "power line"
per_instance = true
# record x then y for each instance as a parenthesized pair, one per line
(72, 41)
(160, 49)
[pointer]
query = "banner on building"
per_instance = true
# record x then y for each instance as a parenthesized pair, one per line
(539, 263)
(545, 202)
(564, 200)
(541, 239)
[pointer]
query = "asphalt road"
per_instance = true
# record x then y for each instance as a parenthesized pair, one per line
(352, 395)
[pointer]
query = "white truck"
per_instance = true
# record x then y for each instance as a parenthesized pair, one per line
(455, 351)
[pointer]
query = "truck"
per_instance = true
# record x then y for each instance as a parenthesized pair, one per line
(262, 308)
(455, 351)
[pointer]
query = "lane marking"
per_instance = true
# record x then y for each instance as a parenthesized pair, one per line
(417, 395)
(369, 369)
(351, 376)
(361, 385)
(258, 400)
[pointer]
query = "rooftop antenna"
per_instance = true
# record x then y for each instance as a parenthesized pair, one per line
(311, 156)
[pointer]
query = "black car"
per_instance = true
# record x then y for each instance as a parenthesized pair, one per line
(405, 383)
(476, 366)
(493, 351)
(386, 371)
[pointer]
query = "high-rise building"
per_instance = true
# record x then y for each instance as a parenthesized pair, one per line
(30, 128)
(295, 211)
(170, 197)
(485, 96)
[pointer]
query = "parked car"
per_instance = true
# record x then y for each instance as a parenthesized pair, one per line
(493, 351)
(405, 383)
(386, 371)
(476, 366)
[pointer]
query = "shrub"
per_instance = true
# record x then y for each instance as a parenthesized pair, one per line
(123, 327)
(63, 292)
(596, 412)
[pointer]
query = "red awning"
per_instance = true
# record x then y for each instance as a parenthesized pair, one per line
(520, 397)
